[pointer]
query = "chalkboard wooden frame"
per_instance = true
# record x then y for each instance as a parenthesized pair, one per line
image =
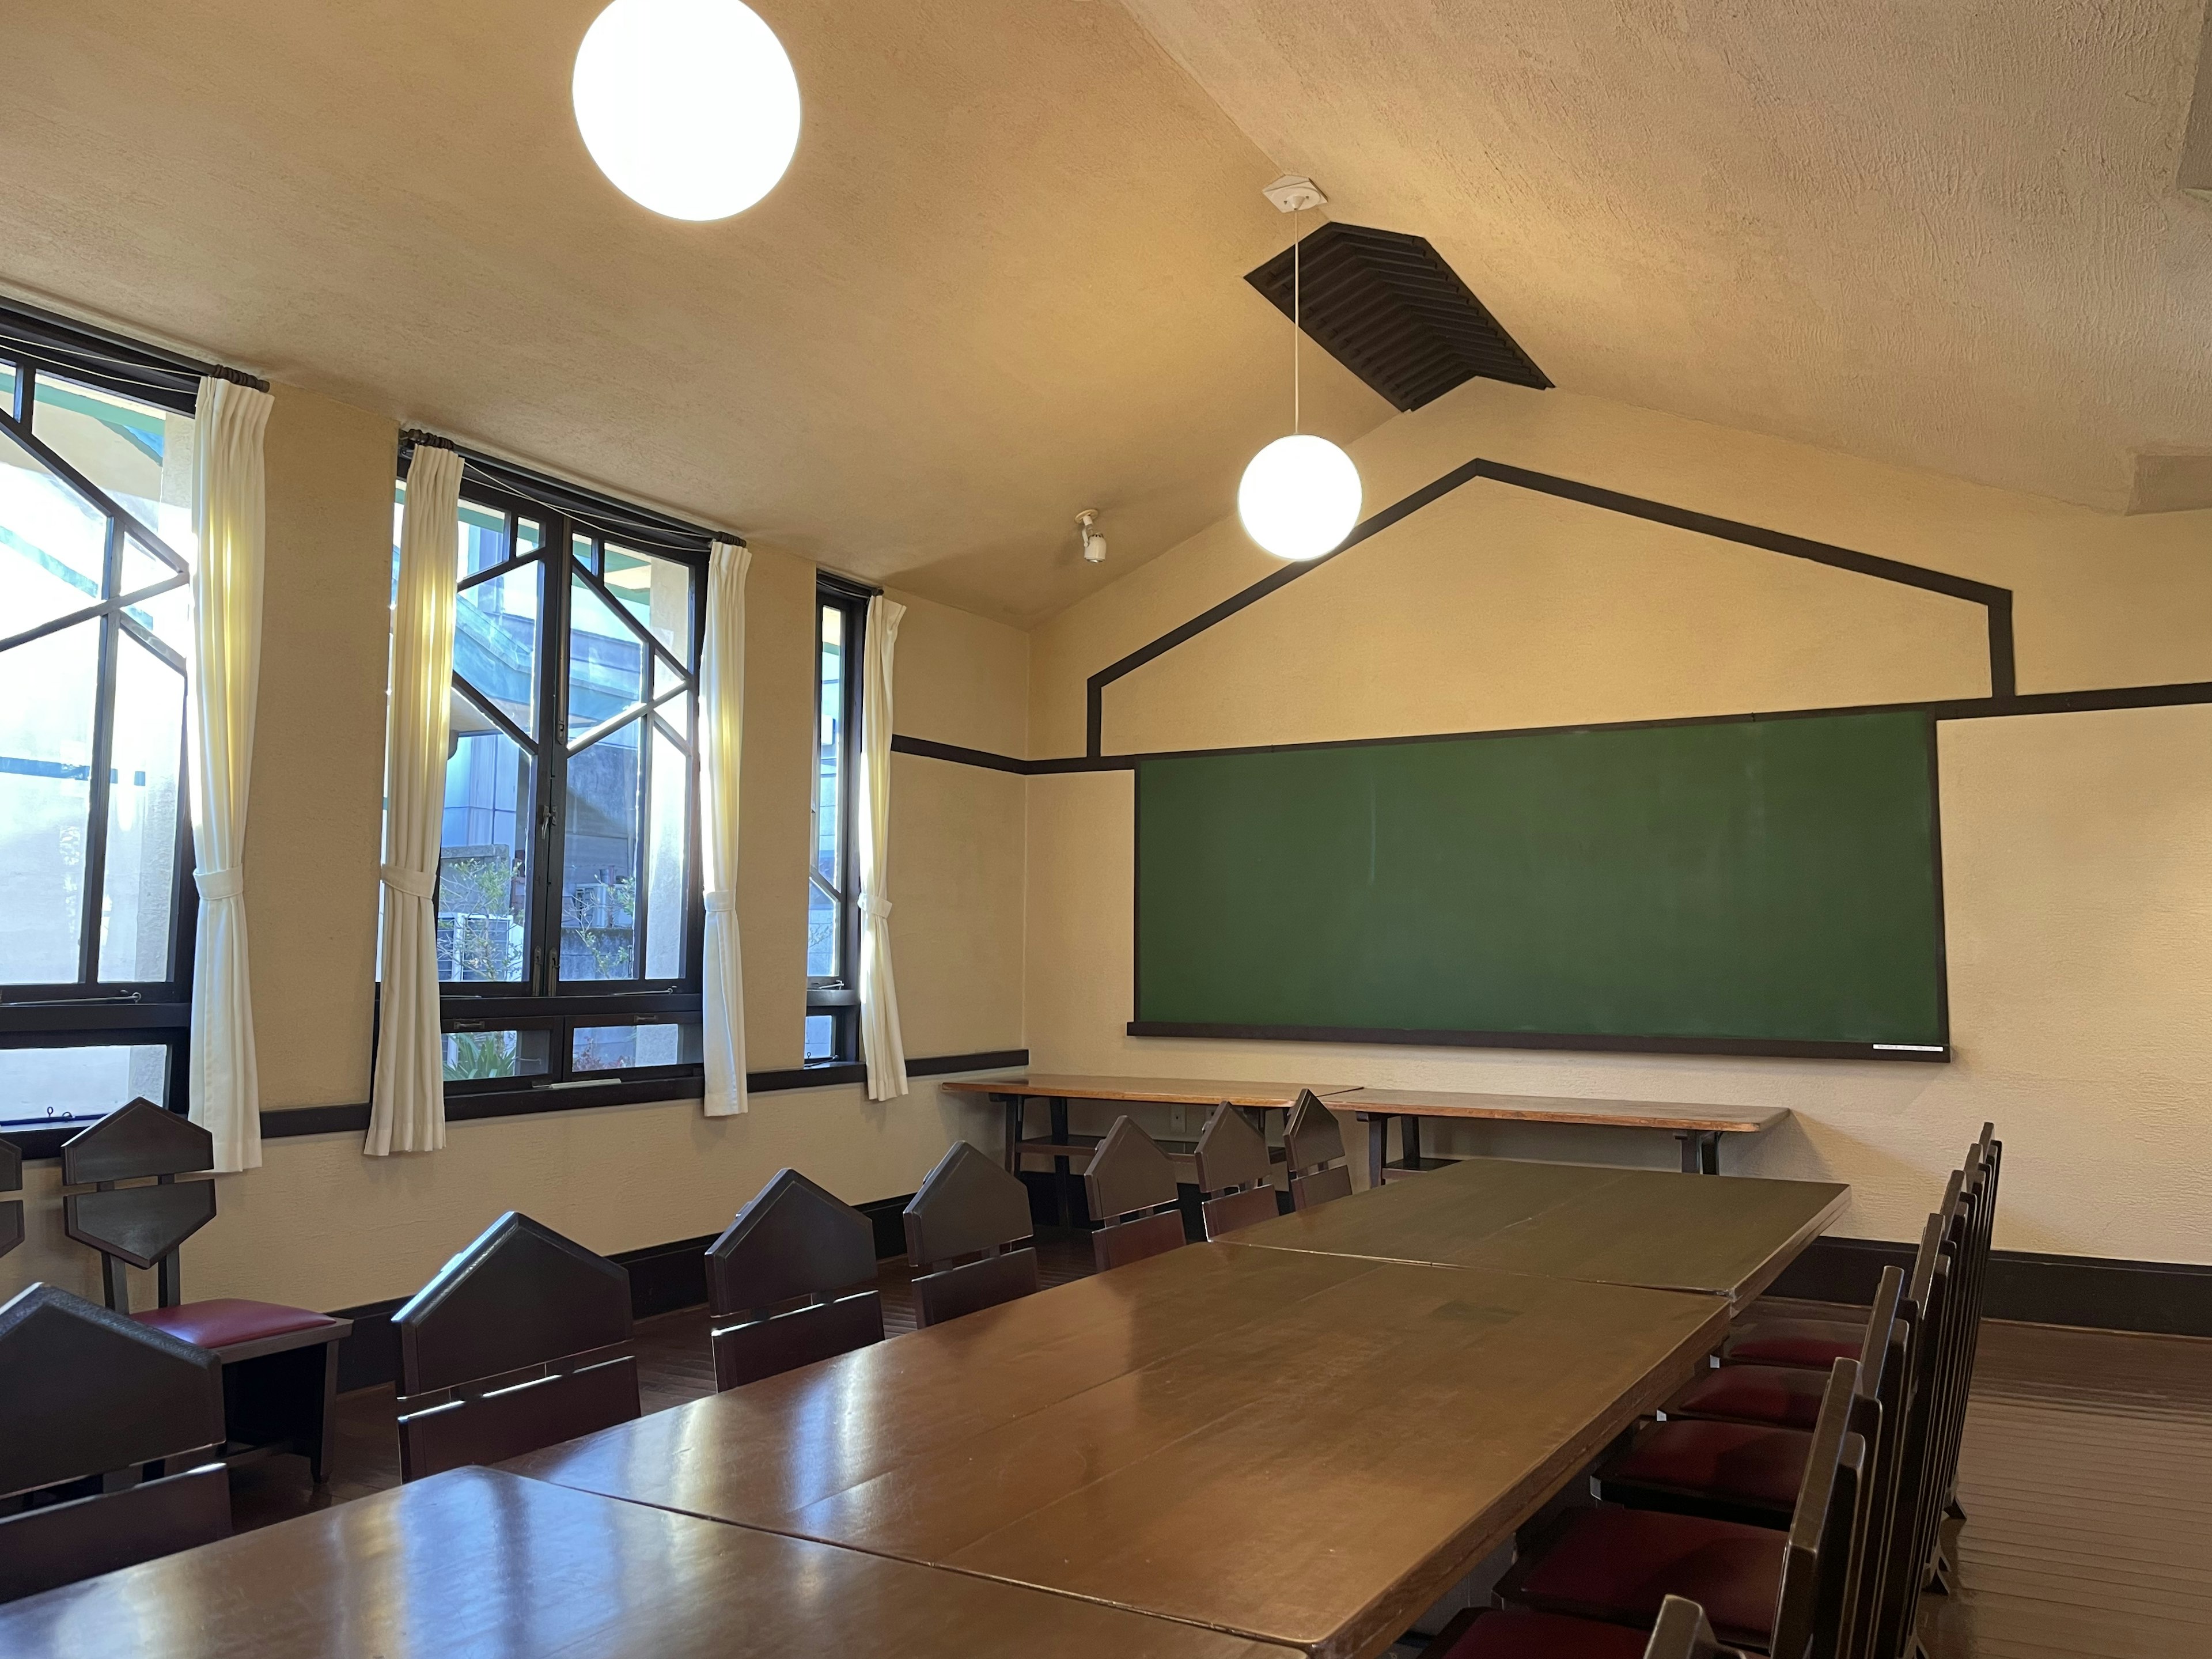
(1603, 1042)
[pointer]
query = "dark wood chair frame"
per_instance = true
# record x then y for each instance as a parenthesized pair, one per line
(791, 1280)
(1236, 1173)
(522, 1340)
(11, 1181)
(1134, 1197)
(1680, 1632)
(969, 1238)
(280, 1391)
(1314, 1149)
(100, 1409)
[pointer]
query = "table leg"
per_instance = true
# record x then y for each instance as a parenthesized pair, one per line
(1378, 1145)
(1013, 1103)
(1409, 1141)
(1060, 1167)
(1701, 1152)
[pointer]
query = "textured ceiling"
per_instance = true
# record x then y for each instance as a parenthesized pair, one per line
(1002, 282)
(1948, 235)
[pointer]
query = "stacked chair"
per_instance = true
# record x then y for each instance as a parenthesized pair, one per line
(522, 1340)
(110, 1422)
(1796, 1493)
(791, 1280)
(280, 1363)
(11, 1210)
(1313, 1143)
(1133, 1192)
(1682, 1631)
(967, 1233)
(1236, 1177)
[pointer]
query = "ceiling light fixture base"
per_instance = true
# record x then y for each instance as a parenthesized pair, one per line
(1294, 191)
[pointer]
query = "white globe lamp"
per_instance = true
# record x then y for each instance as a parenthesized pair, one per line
(689, 106)
(1300, 497)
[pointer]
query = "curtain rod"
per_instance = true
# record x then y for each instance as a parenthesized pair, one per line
(503, 474)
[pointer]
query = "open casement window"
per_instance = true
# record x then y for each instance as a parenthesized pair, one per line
(97, 903)
(833, 913)
(569, 916)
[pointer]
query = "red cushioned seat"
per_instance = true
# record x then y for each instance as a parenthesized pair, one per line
(1622, 1563)
(1495, 1635)
(1755, 1394)
(223, 1320)
(1809, 1342)
(1747, 1463)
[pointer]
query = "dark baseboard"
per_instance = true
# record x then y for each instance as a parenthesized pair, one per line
(2165, 1298)
(663, 1278)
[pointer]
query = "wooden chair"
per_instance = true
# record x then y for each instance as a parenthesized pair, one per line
(791, 1280)
(1681, 1632)
(1236, 1177)
(11, 1181)
(98, 1408)
(1314, 1145)
(1134, 1193)
(522, 1340)
(280, 1363)
(968, 1207)
(1783, 1593)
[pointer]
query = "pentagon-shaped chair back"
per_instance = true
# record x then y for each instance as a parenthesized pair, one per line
(520, 1342)
(1134, 1195)
(138, 1226)
(968, 1206)
(1682, 1633)
(795, 1242)
(1235, 1173)
(1314, 1145)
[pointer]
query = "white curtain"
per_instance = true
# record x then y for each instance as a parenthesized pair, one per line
(229, 522)
(721, 742)
(407, 1095)
(879, 1021)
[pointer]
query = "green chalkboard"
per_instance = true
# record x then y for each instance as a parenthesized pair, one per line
(1766, 885)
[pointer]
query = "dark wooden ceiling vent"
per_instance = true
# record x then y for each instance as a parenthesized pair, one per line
(1389, 309)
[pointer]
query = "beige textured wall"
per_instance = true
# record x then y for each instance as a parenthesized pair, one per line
(2076, 869)
(319, 1224)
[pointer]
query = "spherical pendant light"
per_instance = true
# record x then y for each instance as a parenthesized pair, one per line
(688, 105)
(1300, 497)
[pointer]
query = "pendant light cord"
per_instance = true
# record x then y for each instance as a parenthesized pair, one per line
(1295, 323)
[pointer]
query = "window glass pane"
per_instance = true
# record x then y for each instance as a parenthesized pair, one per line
(822, 939)
(658, 593)
(7, 388)
(828, 738)
(821, 1036)
(665, 862)
(529, 536)
(399, 519)
(53, 543)
(495, 642)
(606, 661)
(619, 1048)
(142, 817)
(140, 454)
(481, 1056)
(587, 555)
(39, 1085)
(484, 538)
(47, 691)
(483, 862)
(599, 869)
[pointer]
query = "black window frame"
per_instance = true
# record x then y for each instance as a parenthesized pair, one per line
(838, 995)
(88, 1012)
(542, 1001)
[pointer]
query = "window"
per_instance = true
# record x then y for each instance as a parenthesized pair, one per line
(833, 917)
(96, 900)
(568, 906)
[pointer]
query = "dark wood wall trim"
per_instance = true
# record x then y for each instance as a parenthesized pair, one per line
(663, 1278)
(2166, 1298)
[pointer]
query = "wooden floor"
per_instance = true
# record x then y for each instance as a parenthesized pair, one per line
(2086, 1477)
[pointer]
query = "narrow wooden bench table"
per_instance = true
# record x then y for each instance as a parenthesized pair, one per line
(477, 1562)
(1729, 1238)
(1300, 1449)
(1698, 1128)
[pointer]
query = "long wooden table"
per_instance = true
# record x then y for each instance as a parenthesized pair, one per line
(478, 1563)
(1698, 1128)
(1296, 1448)
(1730, 1237)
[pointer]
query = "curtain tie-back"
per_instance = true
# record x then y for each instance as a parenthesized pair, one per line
(220, 883)
(879, 908)
(416, 883)
(722, 902)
